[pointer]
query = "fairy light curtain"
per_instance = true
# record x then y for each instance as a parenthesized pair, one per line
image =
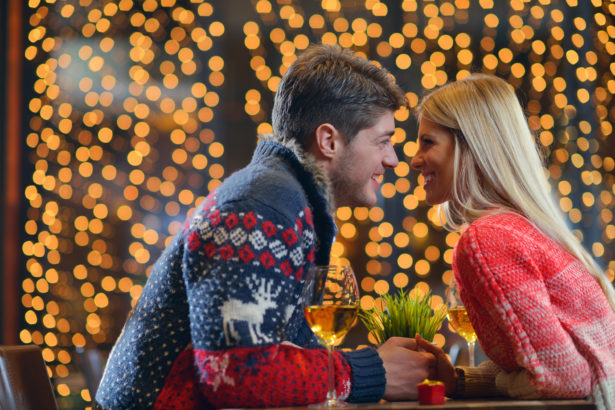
(127, 133)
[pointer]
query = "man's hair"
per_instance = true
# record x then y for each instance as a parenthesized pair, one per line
(327, 84)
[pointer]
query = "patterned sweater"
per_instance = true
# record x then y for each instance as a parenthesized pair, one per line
(539, 315)
(219, 322)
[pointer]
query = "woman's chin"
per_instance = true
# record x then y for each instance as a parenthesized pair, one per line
(434, 201)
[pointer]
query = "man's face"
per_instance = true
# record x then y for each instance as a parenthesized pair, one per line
(357, 172)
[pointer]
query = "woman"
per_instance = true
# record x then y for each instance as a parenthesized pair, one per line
(542, 308)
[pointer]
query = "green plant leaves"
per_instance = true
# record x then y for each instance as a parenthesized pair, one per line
(405, 316)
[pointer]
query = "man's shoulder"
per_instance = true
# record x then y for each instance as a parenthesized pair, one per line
(257, 177)
(261, 189)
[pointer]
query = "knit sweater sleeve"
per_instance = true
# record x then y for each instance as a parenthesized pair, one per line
(244, 271)
(503, 289)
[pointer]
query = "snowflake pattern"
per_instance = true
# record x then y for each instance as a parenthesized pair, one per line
(238, 239)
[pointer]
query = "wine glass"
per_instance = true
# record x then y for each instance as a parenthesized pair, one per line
(458, 318)
(331, 304)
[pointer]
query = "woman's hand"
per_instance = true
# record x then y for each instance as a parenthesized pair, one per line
(444, 368)
(405, 368)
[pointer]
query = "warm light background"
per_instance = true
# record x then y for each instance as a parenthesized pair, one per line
(139, 108)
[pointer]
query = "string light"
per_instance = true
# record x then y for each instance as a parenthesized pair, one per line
(124, 113)
(124, 133)
(428, 50)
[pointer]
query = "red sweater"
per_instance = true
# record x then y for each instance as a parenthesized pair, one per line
(539, 315)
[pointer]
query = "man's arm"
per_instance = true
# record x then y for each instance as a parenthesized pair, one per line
(244, 275)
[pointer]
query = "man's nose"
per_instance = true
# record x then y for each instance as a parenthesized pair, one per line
(390, 159)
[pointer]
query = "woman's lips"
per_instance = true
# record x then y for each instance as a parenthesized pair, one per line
(427, 179)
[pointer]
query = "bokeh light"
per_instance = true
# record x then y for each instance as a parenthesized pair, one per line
(127, 134)
(125, 105)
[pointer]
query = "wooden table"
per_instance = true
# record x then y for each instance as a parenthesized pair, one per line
(488, 404)
(484, 404)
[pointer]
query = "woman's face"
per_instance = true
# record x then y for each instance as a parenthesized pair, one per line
(434, 159)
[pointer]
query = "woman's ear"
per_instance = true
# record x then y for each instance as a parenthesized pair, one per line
(328, 140)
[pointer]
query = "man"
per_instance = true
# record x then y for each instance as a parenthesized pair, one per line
(219, 322)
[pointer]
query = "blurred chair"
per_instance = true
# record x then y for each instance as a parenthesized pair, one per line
(453, 352)
(24, 382)
(92, 362)
(458, 354)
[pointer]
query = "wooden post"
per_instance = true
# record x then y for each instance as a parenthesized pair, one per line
(12, 171)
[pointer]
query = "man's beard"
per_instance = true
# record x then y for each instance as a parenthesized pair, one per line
(346, 191)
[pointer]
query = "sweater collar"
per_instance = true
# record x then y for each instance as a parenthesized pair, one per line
(270, 144)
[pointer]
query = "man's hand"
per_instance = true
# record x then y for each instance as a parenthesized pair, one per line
(405, 368)
(445, 370)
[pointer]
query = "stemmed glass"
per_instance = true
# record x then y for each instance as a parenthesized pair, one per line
(458, 318)
(331, 304)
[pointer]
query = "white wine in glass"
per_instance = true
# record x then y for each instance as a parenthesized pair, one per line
(331, 323)
(459, 320)
(331, 304)
(458, 317)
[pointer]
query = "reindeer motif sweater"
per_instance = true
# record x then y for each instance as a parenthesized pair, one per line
(539, 315)
(219, 322)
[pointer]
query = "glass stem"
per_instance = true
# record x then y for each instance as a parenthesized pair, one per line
(471, 353)
(331, 392)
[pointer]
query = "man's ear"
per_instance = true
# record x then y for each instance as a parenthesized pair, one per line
(328, 140)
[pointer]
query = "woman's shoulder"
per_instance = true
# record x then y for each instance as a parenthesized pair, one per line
(500, 222)
(501, 219)
(498, 230)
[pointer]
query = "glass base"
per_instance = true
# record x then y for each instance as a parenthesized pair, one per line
(336, 403)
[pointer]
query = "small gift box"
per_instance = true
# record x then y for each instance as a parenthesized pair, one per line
(431, 392)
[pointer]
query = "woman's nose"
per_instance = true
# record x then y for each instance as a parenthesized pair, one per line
(416, 162)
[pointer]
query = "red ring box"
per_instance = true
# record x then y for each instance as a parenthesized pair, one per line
(431, 392)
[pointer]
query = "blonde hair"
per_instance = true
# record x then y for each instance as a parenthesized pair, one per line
(497, 163)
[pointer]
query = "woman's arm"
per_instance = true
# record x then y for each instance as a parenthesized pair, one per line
(505, 294)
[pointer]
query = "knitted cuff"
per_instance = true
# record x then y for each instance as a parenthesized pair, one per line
(476, 381)
(368, 376)
(460, 387)
(516, 384)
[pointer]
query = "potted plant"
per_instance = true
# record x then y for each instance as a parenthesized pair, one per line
(403, 315)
